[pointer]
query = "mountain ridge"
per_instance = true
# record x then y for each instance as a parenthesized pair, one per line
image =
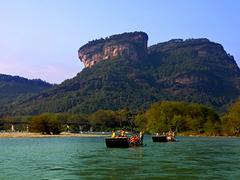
(193, 70)
(14, 88)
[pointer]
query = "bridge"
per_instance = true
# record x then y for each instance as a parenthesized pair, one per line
(24, 125)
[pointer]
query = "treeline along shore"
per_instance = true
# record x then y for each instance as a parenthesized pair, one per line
(181, 117)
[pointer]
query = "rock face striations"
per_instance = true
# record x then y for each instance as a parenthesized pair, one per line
(132, 46)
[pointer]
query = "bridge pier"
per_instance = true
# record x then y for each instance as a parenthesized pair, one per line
(67, 128)
(12, 128)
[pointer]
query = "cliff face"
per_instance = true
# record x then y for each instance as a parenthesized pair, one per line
(132, 46)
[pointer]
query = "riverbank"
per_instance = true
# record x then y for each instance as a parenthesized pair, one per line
(66, 134)
(39, 135)
(197, 134)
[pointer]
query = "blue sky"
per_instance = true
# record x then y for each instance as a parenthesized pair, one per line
(40, 38)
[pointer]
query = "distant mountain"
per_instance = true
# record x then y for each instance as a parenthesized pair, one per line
(14, 88)
(122, 72)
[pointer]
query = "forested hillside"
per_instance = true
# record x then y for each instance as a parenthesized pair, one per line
(15, 88)
(194, 70)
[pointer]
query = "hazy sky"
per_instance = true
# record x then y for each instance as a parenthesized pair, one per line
(40, 38)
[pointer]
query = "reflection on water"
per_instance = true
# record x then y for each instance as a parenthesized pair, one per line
(84, 158)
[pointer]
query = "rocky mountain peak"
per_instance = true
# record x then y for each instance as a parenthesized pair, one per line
(132, 46)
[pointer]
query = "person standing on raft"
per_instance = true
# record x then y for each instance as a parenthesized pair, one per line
(113, 134)
(141, 134)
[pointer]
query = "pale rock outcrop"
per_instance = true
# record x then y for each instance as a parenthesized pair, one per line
(131, 46)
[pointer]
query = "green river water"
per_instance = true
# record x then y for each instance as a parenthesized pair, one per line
(88, 158)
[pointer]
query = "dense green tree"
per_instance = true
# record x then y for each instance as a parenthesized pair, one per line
(73, 122)
(102, 119)
(107, 120)
(180, 117)
(140, 121)
(163, 116)
(46, 124)
(125, 118)
(231, 120)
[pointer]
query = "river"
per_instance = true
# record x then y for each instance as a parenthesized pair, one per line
(88, 158)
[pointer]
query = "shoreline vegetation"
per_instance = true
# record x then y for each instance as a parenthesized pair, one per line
(197, 134)
(180, 117)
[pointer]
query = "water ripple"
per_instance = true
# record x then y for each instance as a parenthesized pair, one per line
(88, 158)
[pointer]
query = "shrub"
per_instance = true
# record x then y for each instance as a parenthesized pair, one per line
(46, 124)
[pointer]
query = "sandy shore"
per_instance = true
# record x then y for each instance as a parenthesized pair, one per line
(39, 135)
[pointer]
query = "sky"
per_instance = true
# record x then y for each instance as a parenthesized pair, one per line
(39, 39)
